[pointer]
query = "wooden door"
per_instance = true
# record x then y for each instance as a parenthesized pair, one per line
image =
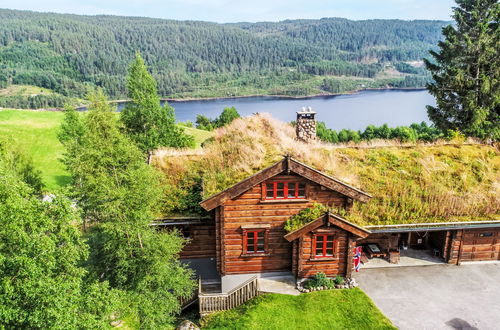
(481, 245)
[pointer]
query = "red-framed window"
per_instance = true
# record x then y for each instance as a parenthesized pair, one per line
(285, 190)
(254, 241)
(323, 245)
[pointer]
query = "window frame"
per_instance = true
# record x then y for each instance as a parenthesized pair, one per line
(325, 242)
(255, 231)
(286, 185)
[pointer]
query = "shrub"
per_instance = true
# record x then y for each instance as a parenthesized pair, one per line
(305, 216)
(226, 117)
(319, 280)
(413, 133)
(338, 280)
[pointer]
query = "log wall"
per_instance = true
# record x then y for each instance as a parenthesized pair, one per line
(384, 241)
(201, 242)
(308, 266)
(249, 209)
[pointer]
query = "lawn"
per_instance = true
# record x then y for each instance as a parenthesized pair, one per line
(332, 309)
(35, 132)
(199, 135)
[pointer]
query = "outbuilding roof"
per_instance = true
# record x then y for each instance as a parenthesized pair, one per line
(327, 219)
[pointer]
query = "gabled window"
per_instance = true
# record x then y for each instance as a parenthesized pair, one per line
(285, 190)
(255, 241)
(324, 245)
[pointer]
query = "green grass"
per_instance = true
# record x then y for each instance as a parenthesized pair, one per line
(24, 90)
(35, 132)
(199, 135)
(409, 184)
(332, 309)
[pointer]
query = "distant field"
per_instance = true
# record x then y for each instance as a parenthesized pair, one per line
(24, 90)
(35, 132)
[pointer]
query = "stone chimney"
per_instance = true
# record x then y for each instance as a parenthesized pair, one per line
(306, 125)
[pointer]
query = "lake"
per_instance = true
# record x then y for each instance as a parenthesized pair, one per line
(355, 111)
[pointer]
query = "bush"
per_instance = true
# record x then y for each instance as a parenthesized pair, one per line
(414, 132)
(338, 280)
(305, 216)
(226, 117)
(319, 280)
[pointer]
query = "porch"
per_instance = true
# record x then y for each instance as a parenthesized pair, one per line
(243, 288)
(216, 293)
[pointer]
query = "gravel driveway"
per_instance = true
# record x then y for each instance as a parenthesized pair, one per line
(436, 297)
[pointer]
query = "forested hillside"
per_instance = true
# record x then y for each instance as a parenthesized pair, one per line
(65, 53)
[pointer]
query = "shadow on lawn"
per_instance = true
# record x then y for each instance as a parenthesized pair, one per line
(63, 180)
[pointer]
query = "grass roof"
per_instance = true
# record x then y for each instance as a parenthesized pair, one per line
(409, 183)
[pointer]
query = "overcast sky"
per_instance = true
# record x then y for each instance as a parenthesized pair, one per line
(248, 10)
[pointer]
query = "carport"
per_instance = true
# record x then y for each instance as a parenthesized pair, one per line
(430, 243)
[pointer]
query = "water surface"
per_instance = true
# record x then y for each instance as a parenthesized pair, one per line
(356, 111)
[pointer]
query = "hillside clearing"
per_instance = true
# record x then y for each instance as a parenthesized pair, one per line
(332, 309)
(25, 90)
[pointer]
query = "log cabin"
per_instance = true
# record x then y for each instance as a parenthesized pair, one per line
(245, 235)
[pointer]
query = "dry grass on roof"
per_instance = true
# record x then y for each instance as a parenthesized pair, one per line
(410, 183)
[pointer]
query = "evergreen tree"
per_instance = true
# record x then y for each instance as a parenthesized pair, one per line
(71, 127)
(466, 72)
(119, 193)
(149, 124)
(41, 252)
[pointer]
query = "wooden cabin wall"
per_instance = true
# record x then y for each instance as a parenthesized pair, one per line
(384, 241)
(309, 266)
(468, 245)
(218, 240)
(478, 247)
(249, 208)
(202, 242)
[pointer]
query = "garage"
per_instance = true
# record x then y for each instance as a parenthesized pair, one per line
(481, 245)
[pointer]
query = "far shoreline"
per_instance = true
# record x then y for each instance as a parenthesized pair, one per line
(194, 99)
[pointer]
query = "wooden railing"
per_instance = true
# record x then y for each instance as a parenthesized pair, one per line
(186, 302)
(216, 302)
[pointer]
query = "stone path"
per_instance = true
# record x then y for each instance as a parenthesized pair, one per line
(278, 284)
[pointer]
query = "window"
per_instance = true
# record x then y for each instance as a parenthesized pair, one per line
(285, 190)
(486, 235)
(254, 241)
(323, 245)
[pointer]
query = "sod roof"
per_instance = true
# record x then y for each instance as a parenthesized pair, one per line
(410, 183)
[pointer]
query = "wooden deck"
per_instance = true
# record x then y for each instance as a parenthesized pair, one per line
(217, 302)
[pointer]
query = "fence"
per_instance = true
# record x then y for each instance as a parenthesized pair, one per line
(216, 302)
